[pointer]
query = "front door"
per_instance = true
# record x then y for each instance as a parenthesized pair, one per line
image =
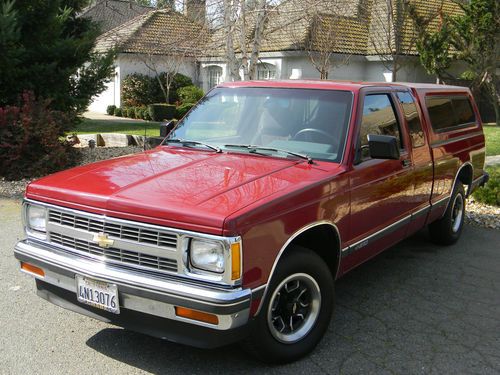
(381, 190)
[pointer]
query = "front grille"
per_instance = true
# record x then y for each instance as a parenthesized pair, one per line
(124, 232)
(116, 255)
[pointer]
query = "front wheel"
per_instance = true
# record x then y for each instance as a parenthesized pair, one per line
(447, 230)
(296, 310)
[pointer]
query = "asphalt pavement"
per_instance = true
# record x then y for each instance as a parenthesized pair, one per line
(416, 309)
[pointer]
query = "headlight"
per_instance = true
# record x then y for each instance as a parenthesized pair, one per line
(207, 255)
(36, 218)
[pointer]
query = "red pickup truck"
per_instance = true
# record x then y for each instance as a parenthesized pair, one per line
(264, 194)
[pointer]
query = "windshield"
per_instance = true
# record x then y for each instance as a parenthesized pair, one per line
(283, 122)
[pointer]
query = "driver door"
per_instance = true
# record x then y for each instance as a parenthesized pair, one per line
(381, 190)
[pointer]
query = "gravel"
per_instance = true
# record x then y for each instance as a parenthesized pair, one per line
(477, 214)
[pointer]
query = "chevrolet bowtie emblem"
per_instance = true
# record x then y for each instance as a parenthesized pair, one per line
(102, 240)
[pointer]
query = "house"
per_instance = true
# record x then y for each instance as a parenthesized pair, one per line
(356, 37)
(154, 42)
(113, 13)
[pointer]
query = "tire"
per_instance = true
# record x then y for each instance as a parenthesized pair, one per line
(296, 311)
(447, 230)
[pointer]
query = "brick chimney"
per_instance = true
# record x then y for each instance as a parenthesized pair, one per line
(196, 10)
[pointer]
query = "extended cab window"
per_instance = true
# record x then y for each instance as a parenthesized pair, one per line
(449, 112)
(379, 117)
(412, 118)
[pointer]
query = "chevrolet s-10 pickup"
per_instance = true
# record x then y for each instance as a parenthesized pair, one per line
(237, 226)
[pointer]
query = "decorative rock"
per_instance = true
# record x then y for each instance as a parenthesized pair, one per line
(83, 140)
(137, 140)
(115, 140)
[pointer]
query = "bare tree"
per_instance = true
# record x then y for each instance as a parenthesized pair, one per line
(325, 38)
(393, 34)
(165, 68)
(245, 27)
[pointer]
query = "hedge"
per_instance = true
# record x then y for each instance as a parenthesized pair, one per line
(118, 112)
(131, 112)
(189, 94)
(160, 112)
(183, 109)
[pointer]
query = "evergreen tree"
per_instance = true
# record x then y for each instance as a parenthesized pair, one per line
(47, 49)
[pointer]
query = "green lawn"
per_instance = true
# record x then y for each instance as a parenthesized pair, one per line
(88, 126)
(492, 134)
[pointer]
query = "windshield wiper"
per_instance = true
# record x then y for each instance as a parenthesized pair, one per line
(191, 142)
(255, 150)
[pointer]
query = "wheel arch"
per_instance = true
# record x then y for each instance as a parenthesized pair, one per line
(313, 236)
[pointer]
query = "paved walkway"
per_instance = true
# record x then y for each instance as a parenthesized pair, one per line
(101, 116)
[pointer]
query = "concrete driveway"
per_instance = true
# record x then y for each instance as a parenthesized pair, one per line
(416, 309)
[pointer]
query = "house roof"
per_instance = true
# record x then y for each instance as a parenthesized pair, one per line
(348, 27)
(112, 13)
(159, 32)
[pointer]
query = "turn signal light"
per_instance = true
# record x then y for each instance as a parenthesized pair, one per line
(196, 315)
(235, 261)
(32, 269)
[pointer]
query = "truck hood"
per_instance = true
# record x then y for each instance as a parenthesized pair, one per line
(191, 189)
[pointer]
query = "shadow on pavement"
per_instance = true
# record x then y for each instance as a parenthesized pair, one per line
(416, 308)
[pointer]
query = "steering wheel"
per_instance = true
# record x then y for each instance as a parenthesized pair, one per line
(308, 134)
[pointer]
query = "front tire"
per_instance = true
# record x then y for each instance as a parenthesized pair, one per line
(447, 230)
(297, 308)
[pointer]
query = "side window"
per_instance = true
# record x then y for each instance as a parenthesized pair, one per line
(412, 118)
(448, 112)
(463, 110)
(379, 117)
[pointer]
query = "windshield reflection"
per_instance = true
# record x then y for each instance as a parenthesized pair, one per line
(301, 121)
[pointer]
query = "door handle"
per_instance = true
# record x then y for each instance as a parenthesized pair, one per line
(406, 162)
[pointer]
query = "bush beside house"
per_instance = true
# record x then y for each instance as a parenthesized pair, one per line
(142, 98)
(161, 112)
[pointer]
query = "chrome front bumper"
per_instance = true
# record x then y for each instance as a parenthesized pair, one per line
(139, 293)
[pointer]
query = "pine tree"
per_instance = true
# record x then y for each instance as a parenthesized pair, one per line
(47, 49)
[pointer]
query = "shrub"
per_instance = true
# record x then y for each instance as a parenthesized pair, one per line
(118, 112)
(189, 94)
(139, 112)
(178, 81)
(182, 110)
(131, 112)
(145, 114)
(140, 89)
(160, 112)
(490, 193)
(111, 110)
(30, 139)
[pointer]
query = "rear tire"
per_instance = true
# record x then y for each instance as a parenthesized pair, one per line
(296, 311)
(447, 230)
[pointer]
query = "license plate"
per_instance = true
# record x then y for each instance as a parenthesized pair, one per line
(98, 294)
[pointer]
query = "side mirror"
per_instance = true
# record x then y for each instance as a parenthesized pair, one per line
(166, 128)
(383, 146)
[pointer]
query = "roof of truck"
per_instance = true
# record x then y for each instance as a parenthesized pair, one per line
(338, 85)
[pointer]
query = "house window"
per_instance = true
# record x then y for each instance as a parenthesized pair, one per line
(266, 71)
(214, 75)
